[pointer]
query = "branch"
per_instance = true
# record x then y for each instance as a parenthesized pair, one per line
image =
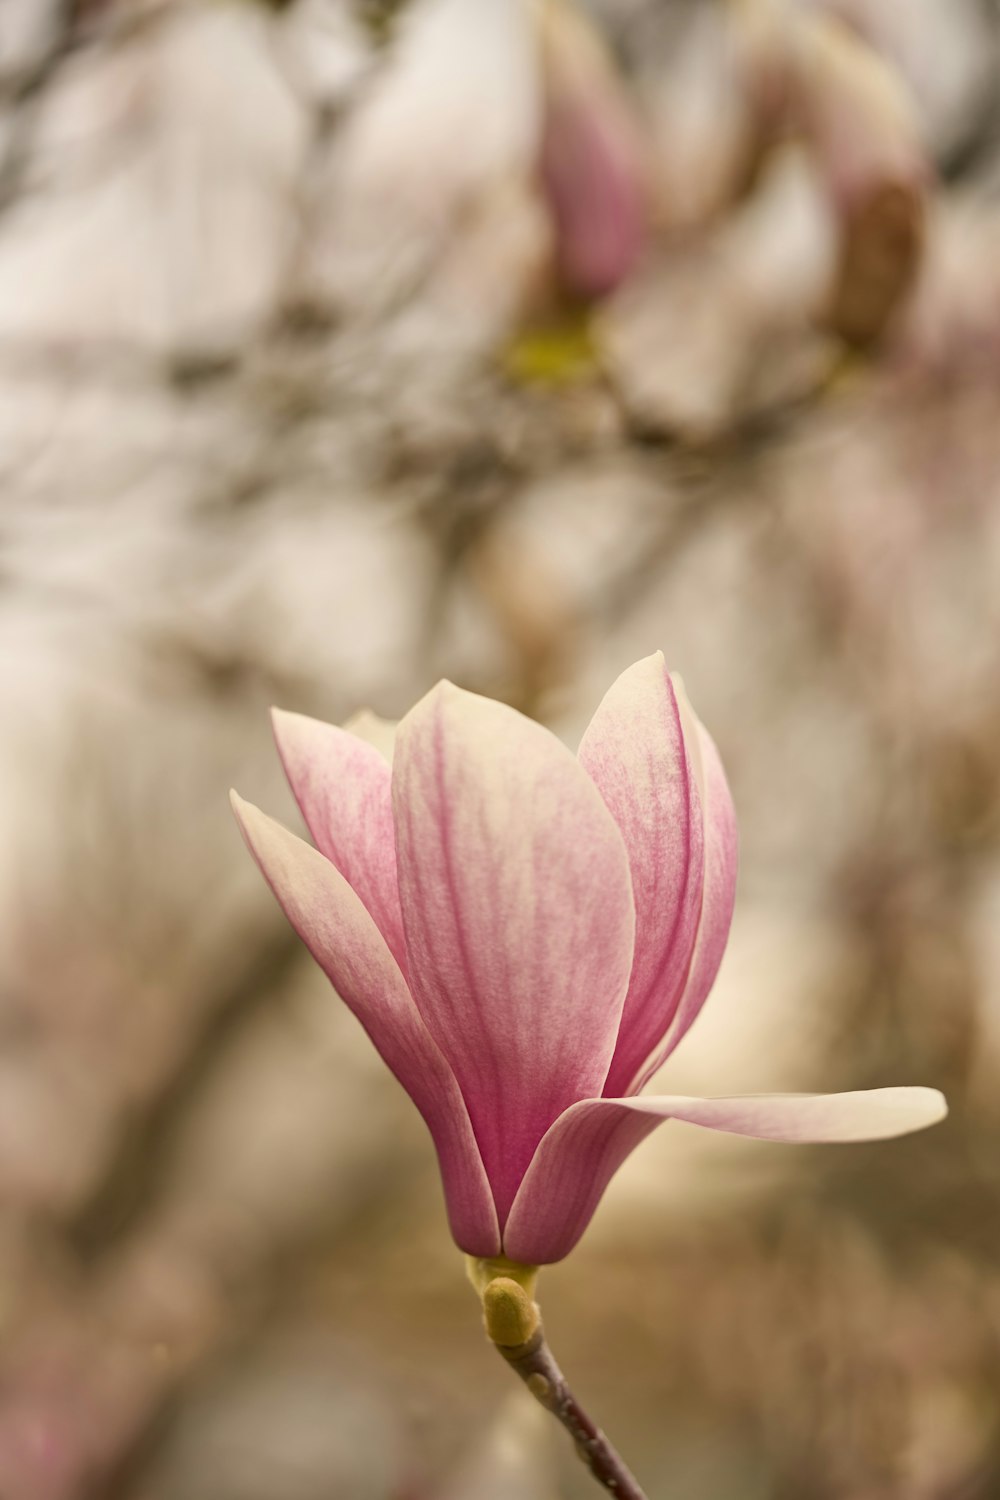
(514, 1326)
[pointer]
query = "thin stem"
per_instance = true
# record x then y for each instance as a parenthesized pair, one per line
(534, 1363)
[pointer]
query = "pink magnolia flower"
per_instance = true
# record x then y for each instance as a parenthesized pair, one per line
(526, 934)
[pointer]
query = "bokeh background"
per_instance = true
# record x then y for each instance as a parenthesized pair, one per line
(344, 346)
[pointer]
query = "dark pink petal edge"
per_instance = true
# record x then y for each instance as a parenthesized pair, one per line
(343, 787)
(344, 940)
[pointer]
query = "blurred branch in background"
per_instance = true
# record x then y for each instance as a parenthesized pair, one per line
(343, 347)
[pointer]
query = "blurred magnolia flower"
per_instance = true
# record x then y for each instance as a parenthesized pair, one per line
(446, 124)
(591, 156)
(779, 69)
(856, 114)
(527, 934)
(519, 108)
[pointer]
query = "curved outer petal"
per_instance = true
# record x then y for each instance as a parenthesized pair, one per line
(342, 937)
(517, 906)
(586, 1146)
(721, 868)
(342, 785)
(634, 751)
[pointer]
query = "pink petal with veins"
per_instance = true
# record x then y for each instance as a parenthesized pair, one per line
(517, 907)
(721, 867)
(634, 751)
(342, 785)
(339, 932)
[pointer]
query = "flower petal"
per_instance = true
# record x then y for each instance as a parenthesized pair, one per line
(585, 1147)
(340, 934)
(517, 907)
(634, 750)
(342, 785)
(722, 850)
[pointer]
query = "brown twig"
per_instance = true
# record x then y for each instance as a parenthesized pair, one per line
(534, 1363)
(514, 1327)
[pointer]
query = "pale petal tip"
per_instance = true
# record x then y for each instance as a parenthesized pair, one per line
(654, 662)
(285, 724)
(935, 1107)
(446, 698)
(241, 812)
(249, 817)
(427, 701)
(655, 665)
(301, 741)
(900, 1111)
(887, 1113)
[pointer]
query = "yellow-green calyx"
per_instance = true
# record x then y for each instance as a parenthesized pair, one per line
(506, 1289)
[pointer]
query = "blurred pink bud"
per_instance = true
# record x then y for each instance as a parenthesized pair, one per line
(592, 160)
(855, 113)
(526, 935)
